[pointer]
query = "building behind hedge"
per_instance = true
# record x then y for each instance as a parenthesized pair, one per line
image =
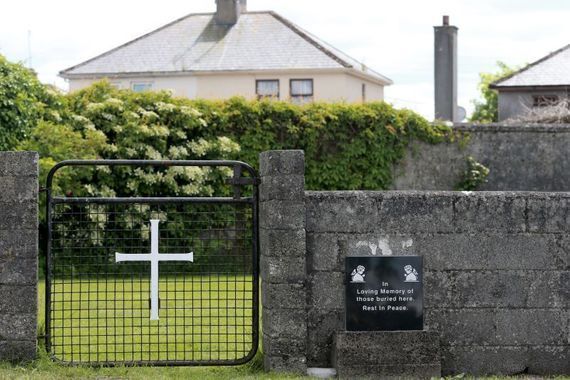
(543, 83)
(233, 52)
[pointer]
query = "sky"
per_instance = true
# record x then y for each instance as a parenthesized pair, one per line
(394, 37)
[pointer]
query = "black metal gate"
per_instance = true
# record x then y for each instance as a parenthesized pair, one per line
(153, 280)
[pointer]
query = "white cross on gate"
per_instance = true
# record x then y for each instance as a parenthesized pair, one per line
(154, 257)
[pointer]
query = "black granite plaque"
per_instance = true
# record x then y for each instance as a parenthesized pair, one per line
(384, 293)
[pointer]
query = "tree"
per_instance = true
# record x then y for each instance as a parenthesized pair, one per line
(487, 111)
(24, 101)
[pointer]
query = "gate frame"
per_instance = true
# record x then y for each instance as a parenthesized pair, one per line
(236, 181)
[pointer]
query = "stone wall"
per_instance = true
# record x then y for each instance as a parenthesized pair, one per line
(497, 267)
(496, 271)
(526, 158)
(18, 255)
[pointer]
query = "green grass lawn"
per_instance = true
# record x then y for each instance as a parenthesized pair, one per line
(75, 319)
(202, 318)
(44, 368)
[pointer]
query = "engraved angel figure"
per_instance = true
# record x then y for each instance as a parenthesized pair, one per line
(411, 274)
(358, 274)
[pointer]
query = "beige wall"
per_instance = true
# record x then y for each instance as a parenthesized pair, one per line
(354, 90)
(179, 86)
(326, 86)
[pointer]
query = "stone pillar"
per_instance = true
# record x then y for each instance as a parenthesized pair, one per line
(445, 71)
(18, 255)
(283, 262)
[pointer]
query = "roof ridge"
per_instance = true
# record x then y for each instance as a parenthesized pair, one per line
(497, 83)
(65, 71)
(310, 39)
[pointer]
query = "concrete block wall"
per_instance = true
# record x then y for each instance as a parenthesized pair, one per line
(496, 271)
(18, 255)
(283, 260)
(520, 158)
(496, 264)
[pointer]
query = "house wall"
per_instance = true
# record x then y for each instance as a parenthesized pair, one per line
(179, 85)
(354, 90)
(516, 103)
(329, 87)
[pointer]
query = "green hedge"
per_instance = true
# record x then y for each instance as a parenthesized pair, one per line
(24, 101)
(347, 146)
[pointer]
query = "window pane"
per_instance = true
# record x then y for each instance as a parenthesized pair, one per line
(139, 87)
(268, 88)
(301, 87)
(545, 100)
(301, 99)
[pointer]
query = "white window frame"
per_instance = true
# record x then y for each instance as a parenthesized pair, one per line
(277, 96)
(301, 98)
(142, 83)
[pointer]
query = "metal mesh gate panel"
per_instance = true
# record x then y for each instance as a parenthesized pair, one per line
(163, 281)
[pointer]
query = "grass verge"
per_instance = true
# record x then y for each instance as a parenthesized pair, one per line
(45, 368)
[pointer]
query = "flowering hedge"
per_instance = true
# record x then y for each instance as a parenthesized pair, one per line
(347, 146)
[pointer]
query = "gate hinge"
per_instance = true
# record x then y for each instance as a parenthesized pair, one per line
(42, 189)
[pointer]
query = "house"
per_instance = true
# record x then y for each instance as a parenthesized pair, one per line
(542, 83)
(233, 52)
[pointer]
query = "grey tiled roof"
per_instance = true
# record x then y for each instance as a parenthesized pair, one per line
(194, 43)
(552, 70)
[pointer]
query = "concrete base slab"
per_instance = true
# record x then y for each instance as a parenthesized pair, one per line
(386, 354)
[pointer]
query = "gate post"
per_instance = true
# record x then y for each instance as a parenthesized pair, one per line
(18, 255)
(283, 260)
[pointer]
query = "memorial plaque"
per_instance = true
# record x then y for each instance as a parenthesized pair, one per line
(384, 293)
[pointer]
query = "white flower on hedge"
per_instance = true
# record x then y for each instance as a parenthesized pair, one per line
(114, 103)
(200, 147)
(152, 154)
(149, 116)
(190, 111)
(226, 145)
(177, 152)
(165, 107)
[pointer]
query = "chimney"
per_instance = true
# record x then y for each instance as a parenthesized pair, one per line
(228, 11)
(445, 70)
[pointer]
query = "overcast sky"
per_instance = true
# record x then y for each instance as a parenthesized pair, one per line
(393, 37)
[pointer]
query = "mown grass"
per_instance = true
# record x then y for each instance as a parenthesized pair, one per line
(202, 318)
(45, 368)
